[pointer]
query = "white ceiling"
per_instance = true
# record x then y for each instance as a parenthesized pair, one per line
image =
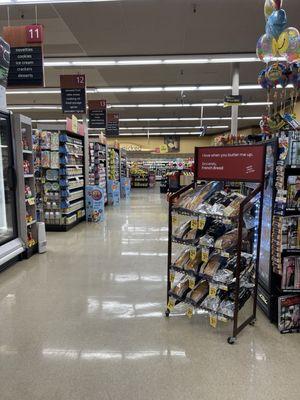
(151, 27)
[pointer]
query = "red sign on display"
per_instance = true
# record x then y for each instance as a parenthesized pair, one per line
(233, 163)
(34, 33)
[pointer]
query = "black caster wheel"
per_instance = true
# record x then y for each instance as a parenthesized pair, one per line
(167, 313)
(252, 323)
(231, 340)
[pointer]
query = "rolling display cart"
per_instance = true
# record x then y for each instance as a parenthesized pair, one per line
(26, 183)
(217, 234)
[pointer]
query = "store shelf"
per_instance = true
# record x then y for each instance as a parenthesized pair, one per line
(27, 152)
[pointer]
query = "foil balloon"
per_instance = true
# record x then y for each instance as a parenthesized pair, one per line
(277, 74)
(288, 44)
(265, 48)
(276, 23)
(263, 81)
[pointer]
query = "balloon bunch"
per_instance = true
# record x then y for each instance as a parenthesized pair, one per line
(279, 48)
(279, 40)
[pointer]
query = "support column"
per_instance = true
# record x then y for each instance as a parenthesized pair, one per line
(235, 91)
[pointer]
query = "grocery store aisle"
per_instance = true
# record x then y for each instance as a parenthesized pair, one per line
(85, 321)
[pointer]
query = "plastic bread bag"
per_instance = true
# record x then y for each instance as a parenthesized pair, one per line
(211, 303)
(207, 241)
(192, 266)
(192, 235)
(217, 229)
(182, 230)
(227, 308)
(204, 194)
(215, 262)
(182, 259)
(198, 294)
(223, 276)
(230, 239)
(232, 210)
(181, 289)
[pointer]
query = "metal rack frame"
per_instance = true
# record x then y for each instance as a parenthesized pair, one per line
(237, 327)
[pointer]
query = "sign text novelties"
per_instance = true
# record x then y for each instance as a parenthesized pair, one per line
(97, 114)
(233, 163)
(73, 94)
(26, 58)
(112, 124)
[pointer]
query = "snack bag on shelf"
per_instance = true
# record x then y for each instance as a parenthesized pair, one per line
(181, 289)
(182, 259)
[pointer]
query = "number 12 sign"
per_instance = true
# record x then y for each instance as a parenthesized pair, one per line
(34, 33)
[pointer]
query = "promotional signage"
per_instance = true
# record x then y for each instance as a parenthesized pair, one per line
(4, 62)
(112, 124)
(94, 201)
(233, 163)
(26, 59)
(73, 97)
(163, 148)
(97, 114)
(232, 100)
(113, 192)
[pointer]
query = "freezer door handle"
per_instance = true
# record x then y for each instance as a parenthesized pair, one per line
(11, 178)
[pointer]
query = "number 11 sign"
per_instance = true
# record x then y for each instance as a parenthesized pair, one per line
(34, 33)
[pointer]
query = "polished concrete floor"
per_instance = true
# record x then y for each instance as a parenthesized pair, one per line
(85, 321)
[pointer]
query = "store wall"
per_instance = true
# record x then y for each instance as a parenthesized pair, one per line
(187, 145)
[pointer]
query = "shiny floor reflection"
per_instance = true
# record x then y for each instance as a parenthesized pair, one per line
(85, 321)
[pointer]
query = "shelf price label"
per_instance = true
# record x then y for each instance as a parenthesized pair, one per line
(174, 219)
(201, 223)
(193, 253)
(213, 320)
(172, 276)
(171, 304)
(194, 224)
(204, 254)
(192, 282)
(190, 312)
(213, 290)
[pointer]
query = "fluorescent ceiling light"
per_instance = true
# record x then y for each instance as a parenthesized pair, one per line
(138, 60)
(33, 107)
(91, 63)
(233, 60)
(186, 61)
(16, 2)
(181, 88)
(157, 128)
(112, 90)
(187, 119)
(138, 89)
(146, 89)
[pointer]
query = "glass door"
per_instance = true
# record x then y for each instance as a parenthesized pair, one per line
(8, 221)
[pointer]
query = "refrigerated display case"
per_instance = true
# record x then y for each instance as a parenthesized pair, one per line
(10, 243)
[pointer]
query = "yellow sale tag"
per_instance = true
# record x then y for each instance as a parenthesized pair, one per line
(204, 254)
(213, 320)
(171, 304)
(172, 276)
(174, 219)
(192, 282)
(190, 312)
(212, 290)
(225, 254)
(201, 223)
(194, 224)
(192, 253)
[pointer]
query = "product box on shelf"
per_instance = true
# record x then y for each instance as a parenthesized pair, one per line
(125, 187)
(94, 201)
(113, 192)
